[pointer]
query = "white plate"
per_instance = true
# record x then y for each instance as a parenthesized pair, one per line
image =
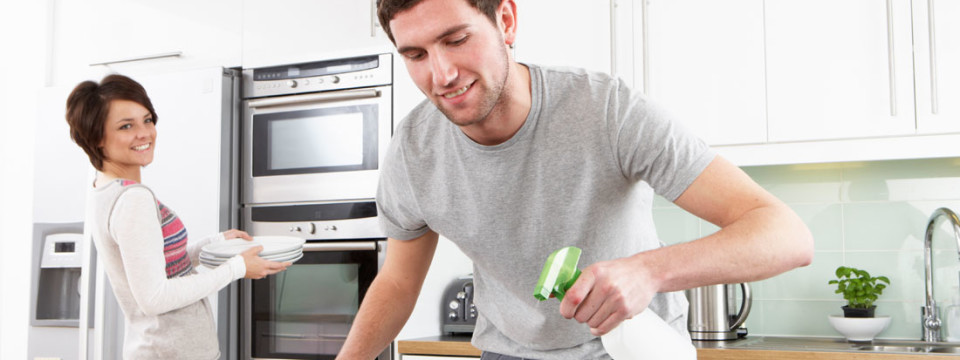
(215, 264)
(271, 245)
(283, 255)
(276, 257)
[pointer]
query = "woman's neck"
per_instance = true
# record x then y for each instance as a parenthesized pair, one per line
(112, 172)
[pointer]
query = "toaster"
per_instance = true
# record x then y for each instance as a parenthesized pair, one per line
(458, 314)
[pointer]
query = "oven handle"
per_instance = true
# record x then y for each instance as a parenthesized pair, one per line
(315, 98)
(341, 246)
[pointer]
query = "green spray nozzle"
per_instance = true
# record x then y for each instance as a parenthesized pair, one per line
(558, 274)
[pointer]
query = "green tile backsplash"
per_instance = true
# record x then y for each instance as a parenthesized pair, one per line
(870, 215)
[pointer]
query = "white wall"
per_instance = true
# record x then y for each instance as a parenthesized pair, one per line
(23, 42)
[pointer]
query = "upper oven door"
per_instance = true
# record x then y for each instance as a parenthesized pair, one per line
(315, 147)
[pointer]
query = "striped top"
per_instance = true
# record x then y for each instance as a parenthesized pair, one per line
(174, 240)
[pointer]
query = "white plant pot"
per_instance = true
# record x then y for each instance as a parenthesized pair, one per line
(859, 329)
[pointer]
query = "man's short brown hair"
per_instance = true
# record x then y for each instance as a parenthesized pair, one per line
(388, 9)
(89, 104)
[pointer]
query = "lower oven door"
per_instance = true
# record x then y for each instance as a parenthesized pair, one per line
(306, 311)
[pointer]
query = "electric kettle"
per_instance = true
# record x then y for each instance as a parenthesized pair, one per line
(714, 314)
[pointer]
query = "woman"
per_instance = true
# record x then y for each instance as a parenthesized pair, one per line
(143, 244)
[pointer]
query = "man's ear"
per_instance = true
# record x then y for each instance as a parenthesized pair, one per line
(507, 20)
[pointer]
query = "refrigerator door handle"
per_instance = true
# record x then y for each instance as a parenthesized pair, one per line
(86, 287)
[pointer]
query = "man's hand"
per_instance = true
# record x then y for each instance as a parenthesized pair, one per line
(608, 292)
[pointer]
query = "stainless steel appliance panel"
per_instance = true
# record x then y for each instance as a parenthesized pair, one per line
(306, 311)
(319, 221)
(319, 76)
(305, 140)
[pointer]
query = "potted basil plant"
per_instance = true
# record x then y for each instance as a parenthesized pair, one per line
(860, 290)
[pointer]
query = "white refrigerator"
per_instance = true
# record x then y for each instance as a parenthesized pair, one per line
(193, 172)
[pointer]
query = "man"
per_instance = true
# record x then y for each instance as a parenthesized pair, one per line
(512, 161)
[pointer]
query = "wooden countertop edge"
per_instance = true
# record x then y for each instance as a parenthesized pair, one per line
(448, 348)
(462, 348)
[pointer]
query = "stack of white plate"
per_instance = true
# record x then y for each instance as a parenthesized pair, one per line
(275, 248)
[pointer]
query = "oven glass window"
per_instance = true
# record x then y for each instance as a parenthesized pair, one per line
(309, 142)
(315, 141)
(306, 311)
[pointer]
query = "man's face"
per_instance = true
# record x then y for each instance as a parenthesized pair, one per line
(455, 55)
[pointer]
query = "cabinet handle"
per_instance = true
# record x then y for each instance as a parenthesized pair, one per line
(644, 9)
(613, 37)
(141, 58)
(890, 60)
(314, 98)
(374, 20)
(931, 29)
(340, 246)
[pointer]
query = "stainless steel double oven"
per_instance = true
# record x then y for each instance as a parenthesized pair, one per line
(313, 136)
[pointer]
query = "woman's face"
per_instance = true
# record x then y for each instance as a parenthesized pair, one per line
(129, 136)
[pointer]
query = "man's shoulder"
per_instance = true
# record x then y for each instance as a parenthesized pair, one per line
(566, 75)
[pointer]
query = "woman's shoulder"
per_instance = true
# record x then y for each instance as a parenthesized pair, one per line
(124, 191)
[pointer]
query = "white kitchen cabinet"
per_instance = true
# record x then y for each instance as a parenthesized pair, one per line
(838, 69)
(570, 33)
(703, 61)
(203, 33)
(936, 34)
(292, 31)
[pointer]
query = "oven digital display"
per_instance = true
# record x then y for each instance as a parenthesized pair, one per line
(64, 247)
(321, 141)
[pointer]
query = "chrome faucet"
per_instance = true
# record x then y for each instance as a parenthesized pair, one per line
(930, 320)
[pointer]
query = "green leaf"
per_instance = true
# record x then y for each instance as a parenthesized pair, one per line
(857, 286)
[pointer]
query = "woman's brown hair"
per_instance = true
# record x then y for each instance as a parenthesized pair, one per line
(89, 104)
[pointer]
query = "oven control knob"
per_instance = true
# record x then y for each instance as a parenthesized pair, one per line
(331, 228)
(335, 79)
(452, 315)
(313, 228)
(292, 83)
(295, 229)
(454, 305)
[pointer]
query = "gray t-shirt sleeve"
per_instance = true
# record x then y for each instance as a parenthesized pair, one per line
(654, 147)
(397, 207)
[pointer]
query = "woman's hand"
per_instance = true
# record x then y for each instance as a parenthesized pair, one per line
(257, 267)
(234, 233)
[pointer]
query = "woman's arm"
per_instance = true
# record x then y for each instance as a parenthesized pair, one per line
(135, 226)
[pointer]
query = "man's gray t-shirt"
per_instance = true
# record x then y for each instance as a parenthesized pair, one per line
(581, 171)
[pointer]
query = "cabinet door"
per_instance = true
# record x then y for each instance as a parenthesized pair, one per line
(206, 33)
(838, 69)
(704, 63)
(571, 33)
(937, 43)
(292, 31)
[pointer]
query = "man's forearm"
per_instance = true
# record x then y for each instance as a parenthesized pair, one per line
(765, 242)
(385, 309)
(390, 299)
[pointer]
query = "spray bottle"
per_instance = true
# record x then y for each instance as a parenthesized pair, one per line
(645, 336)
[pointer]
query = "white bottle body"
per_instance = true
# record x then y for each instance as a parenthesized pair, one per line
(647, 337)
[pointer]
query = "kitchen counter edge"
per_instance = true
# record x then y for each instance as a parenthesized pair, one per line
(459, 345)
